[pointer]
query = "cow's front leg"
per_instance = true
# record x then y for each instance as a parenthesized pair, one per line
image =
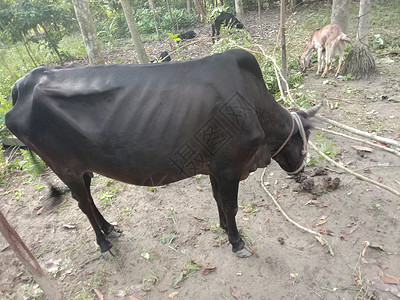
(228, 191)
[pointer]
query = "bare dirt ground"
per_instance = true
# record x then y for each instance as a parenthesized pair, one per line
(171, 234)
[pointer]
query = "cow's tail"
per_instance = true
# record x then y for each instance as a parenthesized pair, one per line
(55, 192)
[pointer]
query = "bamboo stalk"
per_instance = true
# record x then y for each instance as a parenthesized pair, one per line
(360, 132)
(393, 151)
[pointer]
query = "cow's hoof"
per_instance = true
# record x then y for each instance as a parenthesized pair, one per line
(115, 233)
(243, 253)
(109, 255)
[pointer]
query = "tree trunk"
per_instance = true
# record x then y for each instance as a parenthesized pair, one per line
(189, 5)
(200, 10)
(259, 17)
(363, 22)
(340, 14)
(85, 20)
(137, 42)
(283, 44)
(170, 15)
(153, 8)
(239, 10)
(359, 62)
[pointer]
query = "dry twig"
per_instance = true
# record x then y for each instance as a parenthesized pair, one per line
(317, 235)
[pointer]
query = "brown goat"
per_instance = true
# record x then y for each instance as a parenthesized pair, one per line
(326, 41)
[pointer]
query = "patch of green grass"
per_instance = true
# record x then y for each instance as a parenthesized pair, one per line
(109, 191)
(84, 294)
(250, 207)
(326, 146)
(149, 281)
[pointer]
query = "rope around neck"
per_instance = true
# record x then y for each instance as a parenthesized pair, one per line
(285, 142)
(305, 143)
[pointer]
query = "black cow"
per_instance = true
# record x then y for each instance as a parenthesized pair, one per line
(226, 19)
(113, 120)
(186, 35)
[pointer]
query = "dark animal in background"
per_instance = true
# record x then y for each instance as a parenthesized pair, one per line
(113, 120)
(226, 19)
(163, 57)
(186, 35)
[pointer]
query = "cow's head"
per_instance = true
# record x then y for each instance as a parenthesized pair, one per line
(291, 157)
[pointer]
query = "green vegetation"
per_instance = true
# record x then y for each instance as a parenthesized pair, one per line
(110, 189)
(326, 146)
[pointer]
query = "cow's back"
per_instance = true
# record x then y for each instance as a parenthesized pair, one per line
(131, 122)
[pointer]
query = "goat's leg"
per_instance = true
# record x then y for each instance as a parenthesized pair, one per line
(341, 54)
(327, 62)
(320, 59)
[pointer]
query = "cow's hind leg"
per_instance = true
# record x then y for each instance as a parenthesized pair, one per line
(228, 193)
(215, 189)
(107, 228)
(80, 192)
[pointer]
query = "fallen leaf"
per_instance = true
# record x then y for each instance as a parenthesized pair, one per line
(362, 148)
(377, 247)
(323, 230)
(380, 143)
(319, 223)
(177, 278)
(352, 229)
(389, 278)
(173, 294)
(98, 294)
(235, 292)
(365, 248)
(383, 267)
(380, 179)
(208, 270)
(276, 193)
